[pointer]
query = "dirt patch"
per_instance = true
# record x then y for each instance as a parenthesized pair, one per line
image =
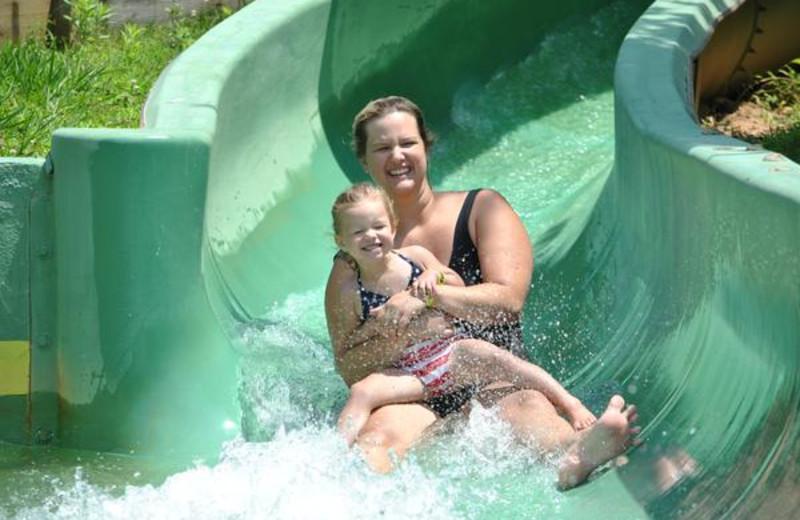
(765, 112)
(747, 121)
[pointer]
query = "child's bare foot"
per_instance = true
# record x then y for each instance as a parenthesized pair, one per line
(611, 435)
(580, 416)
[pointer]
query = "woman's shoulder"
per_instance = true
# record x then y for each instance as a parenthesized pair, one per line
(483, 200)
(490, 197)
(479, 193)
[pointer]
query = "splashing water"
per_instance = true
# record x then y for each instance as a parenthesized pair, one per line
(541, 133)
(308, 473)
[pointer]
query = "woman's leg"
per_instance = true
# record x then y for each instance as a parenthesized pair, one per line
(474, 361)
(534, 420)
(374, 391)
(536, 423)
(390, 431)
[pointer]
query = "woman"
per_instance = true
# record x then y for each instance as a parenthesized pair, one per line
(479, 236)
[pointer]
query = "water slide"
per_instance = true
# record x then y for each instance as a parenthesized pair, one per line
(163, 347)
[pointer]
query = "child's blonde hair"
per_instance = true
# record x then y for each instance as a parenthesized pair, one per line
(356, 194)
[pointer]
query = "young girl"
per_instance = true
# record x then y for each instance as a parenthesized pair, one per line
(364, 225)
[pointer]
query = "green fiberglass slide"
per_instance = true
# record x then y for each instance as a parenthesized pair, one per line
(163, 349)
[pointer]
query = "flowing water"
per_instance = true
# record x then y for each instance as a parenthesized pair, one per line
(541, 133)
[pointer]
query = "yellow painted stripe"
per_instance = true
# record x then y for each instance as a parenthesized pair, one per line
(15, 366)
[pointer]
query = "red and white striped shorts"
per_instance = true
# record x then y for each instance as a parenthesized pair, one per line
(429, 360)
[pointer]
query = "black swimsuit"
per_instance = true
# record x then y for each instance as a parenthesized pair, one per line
(464, 261)
(464, 258)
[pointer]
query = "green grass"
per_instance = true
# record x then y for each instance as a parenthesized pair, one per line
(99, 79)
(786, 142)
(779, 92)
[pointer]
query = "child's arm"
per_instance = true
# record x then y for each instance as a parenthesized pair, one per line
(358, 349)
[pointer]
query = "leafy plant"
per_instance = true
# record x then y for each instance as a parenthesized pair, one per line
(131, 34)
(88, 19)
(781, 88)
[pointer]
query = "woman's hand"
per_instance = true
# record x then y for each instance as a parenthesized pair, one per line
(429, 324)
(406, 319)
(397, 313)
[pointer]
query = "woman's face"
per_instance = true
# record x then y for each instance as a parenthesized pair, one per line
(395, 155)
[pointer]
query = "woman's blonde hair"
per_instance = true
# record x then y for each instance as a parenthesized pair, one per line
(356, 194)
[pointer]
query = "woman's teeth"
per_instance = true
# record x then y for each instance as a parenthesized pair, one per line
(399, 171)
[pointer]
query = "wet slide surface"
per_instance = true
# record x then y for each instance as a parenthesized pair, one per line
(676, 289)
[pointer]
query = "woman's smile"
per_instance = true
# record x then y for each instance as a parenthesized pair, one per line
(397, 172)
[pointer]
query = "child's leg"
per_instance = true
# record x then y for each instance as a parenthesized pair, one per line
(473, 361)
(374, 391)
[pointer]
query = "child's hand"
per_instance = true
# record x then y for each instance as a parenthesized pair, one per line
(425, 287)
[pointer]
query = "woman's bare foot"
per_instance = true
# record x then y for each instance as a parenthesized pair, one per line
(579, 416)
(609, 437)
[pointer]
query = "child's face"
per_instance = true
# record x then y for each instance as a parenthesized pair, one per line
(366, 231)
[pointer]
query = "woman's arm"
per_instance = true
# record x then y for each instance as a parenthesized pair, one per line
(506, 260)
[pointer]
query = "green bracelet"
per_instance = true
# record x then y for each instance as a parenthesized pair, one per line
(428, 301)
(440, 278)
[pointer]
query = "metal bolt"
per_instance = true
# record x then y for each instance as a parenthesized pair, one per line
(43, 436)
(43, 340)
(45, 250)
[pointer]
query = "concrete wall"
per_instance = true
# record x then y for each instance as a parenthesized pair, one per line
(144, 11)
(18, 18)
(21, 192)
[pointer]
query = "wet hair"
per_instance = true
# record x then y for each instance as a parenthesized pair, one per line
(378, 108)
(356, 194)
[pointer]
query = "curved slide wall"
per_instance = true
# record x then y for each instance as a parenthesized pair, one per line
(167, 237)
(698, 235)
